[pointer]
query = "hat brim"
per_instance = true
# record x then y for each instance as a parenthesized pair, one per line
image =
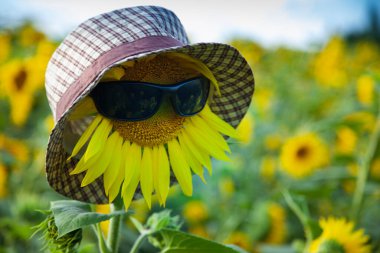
(236, 84)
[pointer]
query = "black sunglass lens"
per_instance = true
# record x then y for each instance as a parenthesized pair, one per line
(191, 97)
(126, 102)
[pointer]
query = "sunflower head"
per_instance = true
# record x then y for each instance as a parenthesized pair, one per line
(17, 83)
(152, 152)
(277, 230)
(303, 154)
(165, 124)
(240, 239)
(339, 236)
(51, 239)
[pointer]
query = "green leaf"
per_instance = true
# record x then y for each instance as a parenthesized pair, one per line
(70, 215)
(276, 249)
(259, 221)
(161, 220)
(88, 248)
(236, 248)
(138, 225)
(174, 241)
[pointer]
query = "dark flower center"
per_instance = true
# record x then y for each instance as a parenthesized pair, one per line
(303, 152)
(20, 79)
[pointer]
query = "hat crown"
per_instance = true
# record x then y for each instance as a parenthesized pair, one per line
(101, 34)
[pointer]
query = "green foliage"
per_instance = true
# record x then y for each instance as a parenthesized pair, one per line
(174, 241)
(331, 246)
(71, 215)
(278, 249)
(163, 232)
(161, 220)
(67, 243)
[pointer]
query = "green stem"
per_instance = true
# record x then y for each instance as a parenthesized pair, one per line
(138, 243)
(301, 216)
(361, 179)
(114, 227)
(98, 231)
(102, 243)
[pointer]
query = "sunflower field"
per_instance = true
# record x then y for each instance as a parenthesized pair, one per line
(303, 177)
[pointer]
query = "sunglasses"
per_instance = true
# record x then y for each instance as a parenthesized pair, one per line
(134, 101)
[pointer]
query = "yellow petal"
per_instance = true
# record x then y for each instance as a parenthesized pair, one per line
(146, 176)
(129, 159)
(201, 156)
(86, 135)
(130, 64)
(156, 179)
(129, 189)
(163, 173)
(98, 139)
(82, 165)
(212, 134)
(115, 165)
(204, 142)
(104, 160)
(217, 122)
(115, 73)
(194, 164)
(115, 186)
(180, 167)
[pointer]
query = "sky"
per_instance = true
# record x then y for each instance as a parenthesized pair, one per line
(294, 23)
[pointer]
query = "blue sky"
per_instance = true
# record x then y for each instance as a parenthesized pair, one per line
(296, 23)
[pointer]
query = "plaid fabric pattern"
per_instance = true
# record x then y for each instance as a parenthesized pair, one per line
(96, 36)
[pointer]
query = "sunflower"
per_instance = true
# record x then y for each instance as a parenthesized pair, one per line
(5, 45)
(199, 230)
(338, 236)
(19, 81)
(272, 142)
(226, 187)
(268, 168)
(303, 154)
(252, 51)
(277, 231)
(364, 120)
(240, 239)
(263, 98)
(49, 122)
(195, 211)
(149, 152)
(346, 140)
(3, 181)
(365, 89)
(14, 147)
(375, 169)
(29, 35)
(329, 64)
(245, 129)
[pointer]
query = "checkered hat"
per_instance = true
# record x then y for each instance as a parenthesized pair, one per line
(107, 40)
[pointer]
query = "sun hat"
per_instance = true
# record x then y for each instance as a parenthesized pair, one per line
(119, 36)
